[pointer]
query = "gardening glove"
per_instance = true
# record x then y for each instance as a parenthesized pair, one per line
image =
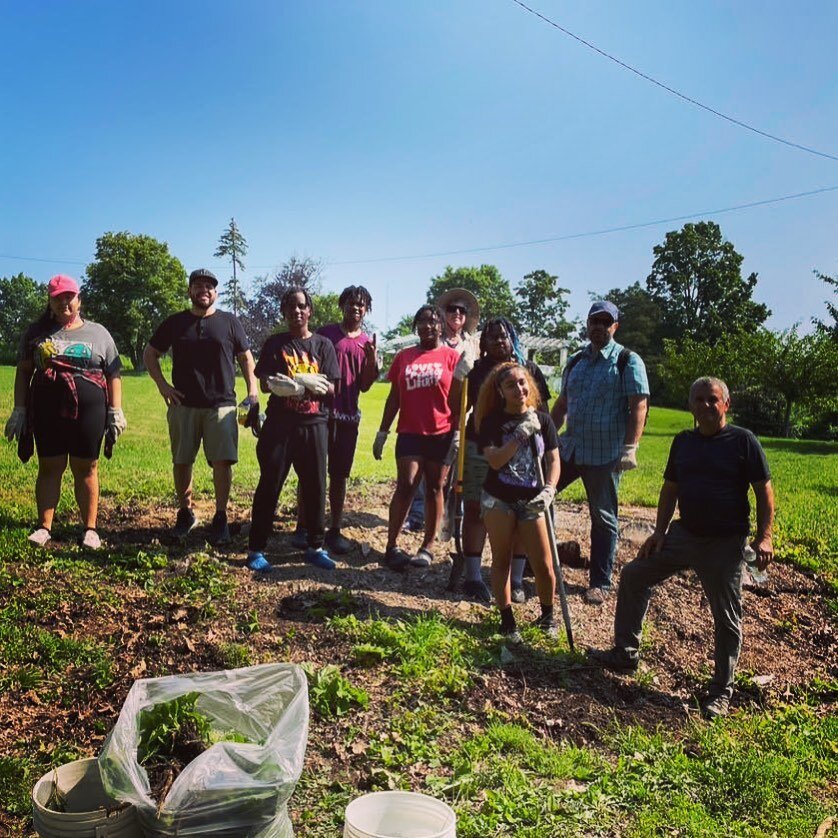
(314, 382)
(16, 424)
(378, 445)
(543, 500)
(468, 358)
(283, 386)
(628, 459)
(116, 423)
(528, 427)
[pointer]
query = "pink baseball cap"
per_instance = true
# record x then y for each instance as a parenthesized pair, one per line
(62, 284)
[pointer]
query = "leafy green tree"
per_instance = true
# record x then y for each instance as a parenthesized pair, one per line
(823, 326)
(403, 327)
(697, 280)
(132, 285)
(233, 245)
(22, 301)
(542, 309)
(486, 283)
(326, 310)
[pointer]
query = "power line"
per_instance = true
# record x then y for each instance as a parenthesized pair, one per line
(672, 90)
(510, 245)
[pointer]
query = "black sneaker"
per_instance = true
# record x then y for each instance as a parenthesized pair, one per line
(548, 626)
(337, 544)
(614, 659)
(396, 559)
(219, 531)
(715, 706)
(477, 590)
(184, 523)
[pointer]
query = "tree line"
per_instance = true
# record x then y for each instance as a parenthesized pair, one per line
(694, 315)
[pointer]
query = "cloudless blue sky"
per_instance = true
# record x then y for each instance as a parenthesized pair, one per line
(352, 130)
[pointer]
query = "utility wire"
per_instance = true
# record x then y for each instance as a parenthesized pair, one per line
(672, 90)
(509, 245)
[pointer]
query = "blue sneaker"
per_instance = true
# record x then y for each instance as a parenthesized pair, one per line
(257, 561)
(319, 558)
(299, 540)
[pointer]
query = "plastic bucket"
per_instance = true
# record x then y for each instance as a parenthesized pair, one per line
(399, 814)
(89, 811)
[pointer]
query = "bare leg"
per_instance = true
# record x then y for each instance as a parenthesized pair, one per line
(501, 528)
(533, 536)
(222, 480)
(409, 473)
(435, 474)
(48, 487)
(86, 485)
(183, 484)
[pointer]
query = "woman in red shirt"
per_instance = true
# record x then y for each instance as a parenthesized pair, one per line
(421, 380)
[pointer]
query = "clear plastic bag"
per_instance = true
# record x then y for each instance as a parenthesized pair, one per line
(232, 789)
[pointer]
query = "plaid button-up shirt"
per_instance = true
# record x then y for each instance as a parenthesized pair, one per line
(598, 404)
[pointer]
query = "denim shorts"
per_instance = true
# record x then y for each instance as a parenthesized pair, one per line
(520, 509)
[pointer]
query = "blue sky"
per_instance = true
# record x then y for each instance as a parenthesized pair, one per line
(356, 131)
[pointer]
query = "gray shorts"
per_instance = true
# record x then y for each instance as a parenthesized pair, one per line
(520, 511)
(216, 426)
(475, 469)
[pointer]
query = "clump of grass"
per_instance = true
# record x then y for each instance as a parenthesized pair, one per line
(235, 655)
(330, 694)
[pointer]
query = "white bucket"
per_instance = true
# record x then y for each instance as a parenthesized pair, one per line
(399, 814)
(89, 811)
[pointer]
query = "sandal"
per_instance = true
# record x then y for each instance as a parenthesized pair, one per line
(423, 558)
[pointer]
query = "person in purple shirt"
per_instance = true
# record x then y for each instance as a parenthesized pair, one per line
(358, 362)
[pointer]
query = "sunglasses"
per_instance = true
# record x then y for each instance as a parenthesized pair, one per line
(602, 321)
(455, 309)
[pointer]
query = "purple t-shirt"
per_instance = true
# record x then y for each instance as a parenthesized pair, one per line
(350, 352)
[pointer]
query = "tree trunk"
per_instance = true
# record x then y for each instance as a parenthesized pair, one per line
(787, 419)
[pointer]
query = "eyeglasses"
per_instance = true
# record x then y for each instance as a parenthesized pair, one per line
(455, 309)
(601, 321)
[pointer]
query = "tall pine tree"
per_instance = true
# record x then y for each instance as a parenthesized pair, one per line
(233, 246)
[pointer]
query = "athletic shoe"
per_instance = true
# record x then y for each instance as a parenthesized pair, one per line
(614, 659)
(715, 706)
(184, 523)
(519, 595)
(414, 525)
(40, 536)
(423, 558)
(512, 637)
(396, 559)
(476, 589)
(257, 561)
(90, 540)
(337, 544)
(300, 538)
(595, 596)
(548, 626)
(219, 531)
(318, 557)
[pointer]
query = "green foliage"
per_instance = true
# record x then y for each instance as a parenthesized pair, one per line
(326, 310)
(18, 774)
(824, 326)
(163, 725)
(132, 285)
(200, 583)
(22, 301)
(330, 694)
(486, 283)
(542, 309)
(235, 655)
(233, 244)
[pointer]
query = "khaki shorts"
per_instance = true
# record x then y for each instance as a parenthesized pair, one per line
(216, 426)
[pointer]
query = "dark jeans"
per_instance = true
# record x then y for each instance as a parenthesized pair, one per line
(601, 483)
(281, 445)
(718, 563)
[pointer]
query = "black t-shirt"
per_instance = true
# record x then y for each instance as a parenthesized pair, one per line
(204, 351)
(518, 479)
(290, 355)
(713, 474)
(480, 372)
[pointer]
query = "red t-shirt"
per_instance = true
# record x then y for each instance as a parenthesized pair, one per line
(424, 378)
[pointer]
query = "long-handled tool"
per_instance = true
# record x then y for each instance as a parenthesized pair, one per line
(458, 557)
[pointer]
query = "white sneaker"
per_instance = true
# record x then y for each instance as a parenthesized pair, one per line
(40, 536)
(91, 539)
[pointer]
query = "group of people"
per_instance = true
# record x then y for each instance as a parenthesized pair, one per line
(512, 463)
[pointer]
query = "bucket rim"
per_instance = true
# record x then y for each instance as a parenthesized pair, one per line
(443, 832)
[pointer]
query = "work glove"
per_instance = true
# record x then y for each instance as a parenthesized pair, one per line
(543, 500)
(528, 427)
(628, 458)
(16, 424)
(314, 382)
(464, 366)
(378, 445)
(116, 424)
(283, 386)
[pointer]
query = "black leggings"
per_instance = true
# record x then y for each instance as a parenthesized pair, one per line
(55, 436)
(281, 445)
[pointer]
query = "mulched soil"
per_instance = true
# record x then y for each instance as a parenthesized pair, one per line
(789, 636)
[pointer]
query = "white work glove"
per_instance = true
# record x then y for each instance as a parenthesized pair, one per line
(314, 382)
(378, 445)
(464, 366)
(117, 423)
(283, 386)
(528, 427)
(628, 459)
(543, 500)
(16, 424)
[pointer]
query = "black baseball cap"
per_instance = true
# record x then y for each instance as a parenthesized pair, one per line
(203, 273)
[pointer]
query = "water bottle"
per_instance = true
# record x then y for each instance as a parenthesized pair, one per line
(758, 577)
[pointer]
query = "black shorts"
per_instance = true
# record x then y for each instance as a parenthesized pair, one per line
(421, 447)
(81, 437)
(343, 438)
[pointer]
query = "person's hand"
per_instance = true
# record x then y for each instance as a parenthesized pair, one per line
(628, 458)
(529, 426)
(170, 395)
(371, 352)
(314, 382)
(653, 544)
(464, 366)
(252, 399)
(284, 386)
(543, 500)
(378, 445)
(16, 424)
(764, 548)
(453, 448)
(117, 423)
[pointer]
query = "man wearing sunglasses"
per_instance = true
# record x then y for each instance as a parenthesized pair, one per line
(604, 400)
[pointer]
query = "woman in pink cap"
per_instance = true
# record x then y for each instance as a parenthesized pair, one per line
(68, 394)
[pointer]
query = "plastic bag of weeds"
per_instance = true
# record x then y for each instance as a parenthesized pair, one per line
(233, 789)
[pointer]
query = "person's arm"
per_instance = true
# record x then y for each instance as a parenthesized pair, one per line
(638, 407)
(23, 377)
(667, 501)
(370, 371)
(763, 544)
(455, 394)
(553, 470)
(151, 359)
(391, 408)
(559, 411)
(114, 391)
(248, 367)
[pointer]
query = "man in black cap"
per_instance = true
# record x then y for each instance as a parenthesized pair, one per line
(604, 399)
(205, 344)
